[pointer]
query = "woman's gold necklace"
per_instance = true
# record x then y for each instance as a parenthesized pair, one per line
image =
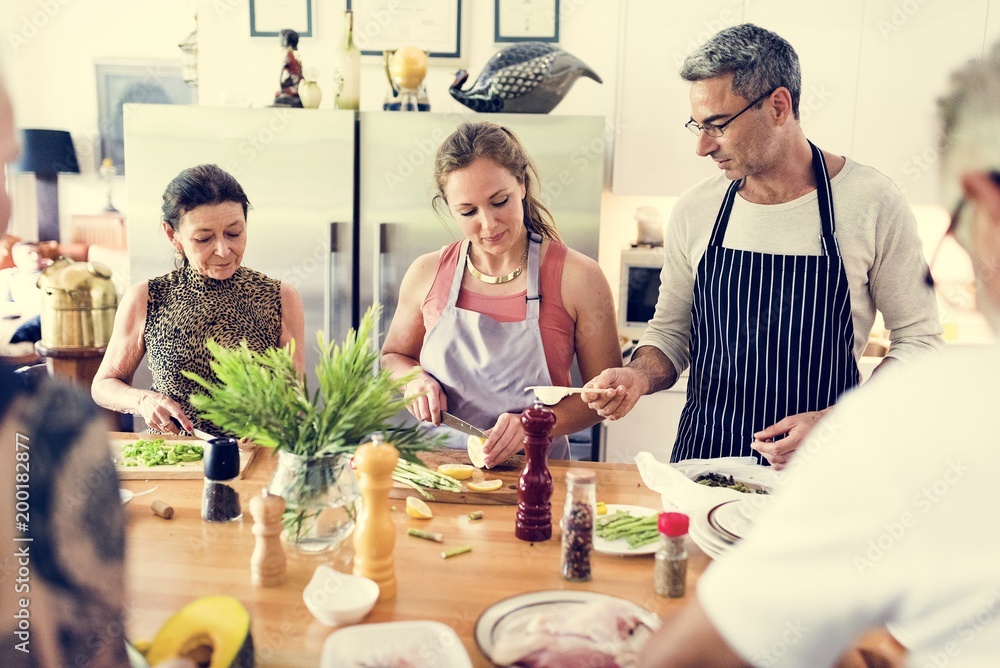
(496, 280)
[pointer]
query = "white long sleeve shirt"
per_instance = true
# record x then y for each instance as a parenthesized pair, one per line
(877, 235)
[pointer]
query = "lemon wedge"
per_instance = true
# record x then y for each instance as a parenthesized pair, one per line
(476, 455)
(418, 509)
(457, 471)
(602, 508)
(485, 485)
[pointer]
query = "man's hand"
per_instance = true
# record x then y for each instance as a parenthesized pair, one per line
(621, 389)
(789, 433)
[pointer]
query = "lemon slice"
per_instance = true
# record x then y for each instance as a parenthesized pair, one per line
(417, 508)
(457, 471)
(476, 455)
(485, 485)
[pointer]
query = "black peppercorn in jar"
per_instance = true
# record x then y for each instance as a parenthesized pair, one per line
(578, 525)
(220, 502)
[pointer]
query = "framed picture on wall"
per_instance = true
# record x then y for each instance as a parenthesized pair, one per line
(432, 25)
(135, 82)
(526, 21)
(269, 17)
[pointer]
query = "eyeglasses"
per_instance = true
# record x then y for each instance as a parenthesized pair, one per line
(951, 232)
(713, 130)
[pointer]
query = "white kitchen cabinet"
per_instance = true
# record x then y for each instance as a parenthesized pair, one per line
(908, 50)
(654, 154)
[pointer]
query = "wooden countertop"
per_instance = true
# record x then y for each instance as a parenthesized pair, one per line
(171, 562)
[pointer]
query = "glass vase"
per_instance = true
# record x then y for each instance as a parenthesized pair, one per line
(321, 499)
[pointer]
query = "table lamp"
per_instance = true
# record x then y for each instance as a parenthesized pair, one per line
(46, 153)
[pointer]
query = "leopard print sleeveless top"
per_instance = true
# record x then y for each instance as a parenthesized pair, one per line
(185, 309)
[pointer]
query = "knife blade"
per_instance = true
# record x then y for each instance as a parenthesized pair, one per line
(461, 425)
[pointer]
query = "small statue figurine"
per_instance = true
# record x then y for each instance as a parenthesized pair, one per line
(267, 563)
(291, 72)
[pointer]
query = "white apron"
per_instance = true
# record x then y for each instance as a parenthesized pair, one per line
(484, 365)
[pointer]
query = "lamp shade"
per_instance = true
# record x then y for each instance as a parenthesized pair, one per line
(47, 152)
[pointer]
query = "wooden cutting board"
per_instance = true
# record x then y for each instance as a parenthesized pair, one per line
(182, 471)
(509, 472)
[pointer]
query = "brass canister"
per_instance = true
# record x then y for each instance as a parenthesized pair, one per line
(79, 300)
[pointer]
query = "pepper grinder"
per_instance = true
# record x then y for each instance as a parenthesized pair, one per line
(220, 502)
(534, 486)
(267, 563)
(375, 533)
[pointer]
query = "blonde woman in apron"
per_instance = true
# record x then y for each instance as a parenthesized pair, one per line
(506, 307)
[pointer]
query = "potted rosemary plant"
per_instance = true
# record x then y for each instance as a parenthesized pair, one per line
(262, 397)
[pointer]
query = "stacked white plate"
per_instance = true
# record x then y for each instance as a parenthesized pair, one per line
(724, 525)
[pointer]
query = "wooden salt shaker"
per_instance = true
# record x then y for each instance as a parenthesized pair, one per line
(267, 563)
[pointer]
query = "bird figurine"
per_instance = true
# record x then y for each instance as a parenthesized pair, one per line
(524, 78)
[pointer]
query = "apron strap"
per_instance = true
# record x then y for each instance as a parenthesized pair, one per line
(824, 193)
(532, 297)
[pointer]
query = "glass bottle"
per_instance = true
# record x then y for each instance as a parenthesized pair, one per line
(375, 533)
(671, 556)
(534, 486)
(349, 67)
(578, 525)
(220, 502)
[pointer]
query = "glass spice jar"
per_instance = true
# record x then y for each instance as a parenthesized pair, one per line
(219, 501)
(671, 557)
(578, 525)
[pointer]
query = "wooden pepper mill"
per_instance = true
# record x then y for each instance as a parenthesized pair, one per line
(534, 487)
(267, 563)
(375, 533)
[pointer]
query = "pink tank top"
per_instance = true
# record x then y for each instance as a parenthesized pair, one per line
(557, 327)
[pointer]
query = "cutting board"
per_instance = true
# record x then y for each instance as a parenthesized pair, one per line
(182, 471)
(509, 472)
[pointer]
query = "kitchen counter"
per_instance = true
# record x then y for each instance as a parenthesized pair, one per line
(171, 562)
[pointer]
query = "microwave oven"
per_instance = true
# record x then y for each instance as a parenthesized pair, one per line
(639, 288)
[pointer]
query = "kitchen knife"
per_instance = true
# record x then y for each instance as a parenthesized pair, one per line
(461, 425)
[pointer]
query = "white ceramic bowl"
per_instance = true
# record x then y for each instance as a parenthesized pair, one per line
(336, 598)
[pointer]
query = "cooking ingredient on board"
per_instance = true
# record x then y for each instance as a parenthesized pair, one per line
(375, 533)
(454, 552)
(212, 629)
(476, 454)
(419, 476)
(596, 633)
(637, 531)
(162, 509)
(426, 535)
(417, 508)
(578, 525)
(476, 515)
(268, 566)
(670, 572)
(457, 471)
(157, 452)
(485, 485)
(220, 502)
(720, 480)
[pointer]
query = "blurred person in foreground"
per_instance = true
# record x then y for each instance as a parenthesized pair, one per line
(62, 566)
(506, 307)
(885, 516)
(210, 295)
(773, 268)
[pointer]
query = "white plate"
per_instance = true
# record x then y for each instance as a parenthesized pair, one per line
(733, 519)
(620, 548)
(705, 538)
(126, 495)
(514, 613)
(425, 643)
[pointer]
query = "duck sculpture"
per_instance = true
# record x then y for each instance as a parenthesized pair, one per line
(524, 78)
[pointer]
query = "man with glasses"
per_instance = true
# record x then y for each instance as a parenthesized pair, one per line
(773, 269)
(909, 538)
